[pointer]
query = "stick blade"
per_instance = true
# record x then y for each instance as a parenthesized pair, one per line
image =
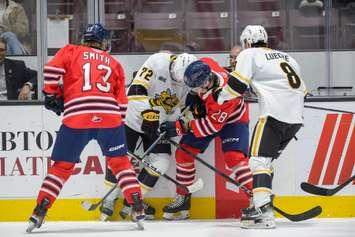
(198, 185)
(310, 188)
(88, 205)
(314, 212)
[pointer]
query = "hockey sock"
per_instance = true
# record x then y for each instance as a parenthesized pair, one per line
(121, 167)
(237, 161)
(185, 168)
(53, 183)
(147, 178)
(262, 178)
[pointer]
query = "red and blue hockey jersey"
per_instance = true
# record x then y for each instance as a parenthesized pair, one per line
(232, 111)
(93, 87)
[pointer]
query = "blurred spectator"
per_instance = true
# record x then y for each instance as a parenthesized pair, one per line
(17, 82)
(233, 54)
(125, 41)
(171, 47)
(13, 25)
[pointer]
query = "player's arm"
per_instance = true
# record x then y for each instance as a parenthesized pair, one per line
(239, 79)
(53, 73)
(213, 121)
(120, 93)
(139, 99)
(202, 125)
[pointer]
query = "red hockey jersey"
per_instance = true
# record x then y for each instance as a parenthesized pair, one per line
(93, 87)
(235, 110)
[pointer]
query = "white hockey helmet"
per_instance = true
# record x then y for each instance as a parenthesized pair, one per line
(253, 34)
(179, 66)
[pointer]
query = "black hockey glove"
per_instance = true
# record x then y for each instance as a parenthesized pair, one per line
(172, 128)
(56, 104)
(196, 105)
(150, 124)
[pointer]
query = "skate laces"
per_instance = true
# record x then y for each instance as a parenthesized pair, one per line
(109, 204)
(178, 201)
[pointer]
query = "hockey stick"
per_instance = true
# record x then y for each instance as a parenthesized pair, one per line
(92, 206)
(191, 188)
(313, 212)
(329, 109)
(252, 99)
(310, 188)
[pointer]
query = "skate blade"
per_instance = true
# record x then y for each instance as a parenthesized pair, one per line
(104, 217)
(250, 224)
(182, 215)
(30, 227)
(140, 224)
(149, 217)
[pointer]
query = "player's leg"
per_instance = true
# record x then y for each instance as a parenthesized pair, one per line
(264, 147)
(66, 152)
(146, 177)
(235, 143)
(179, 207)
(108, 205)
(113, 145)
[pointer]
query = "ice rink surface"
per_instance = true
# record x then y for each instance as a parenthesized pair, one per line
(195, 228)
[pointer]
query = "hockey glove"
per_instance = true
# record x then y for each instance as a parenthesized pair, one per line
(173, 128)
(196, 105)
(150, 124)
(54, 103)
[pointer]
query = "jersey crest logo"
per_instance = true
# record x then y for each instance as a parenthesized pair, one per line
(168, 100)
(96, 119)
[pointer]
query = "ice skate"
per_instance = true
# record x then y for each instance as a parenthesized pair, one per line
(106, 209)
(178, 209)
(148, 210)
(38, 215)
(258, 218)
(137, 212)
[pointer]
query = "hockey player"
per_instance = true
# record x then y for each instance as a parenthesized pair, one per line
(228, 121)
(156, 94)
(92, 99)
(275, 77)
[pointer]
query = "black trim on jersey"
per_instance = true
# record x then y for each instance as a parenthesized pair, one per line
(90, 101)
(241, 107)
(51, 78)
(88, 108)
(137, 90)
(237, 85)
(199, 121)
(242, 180)
(53, 71)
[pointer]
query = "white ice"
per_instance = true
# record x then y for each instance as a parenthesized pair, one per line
(195, 228)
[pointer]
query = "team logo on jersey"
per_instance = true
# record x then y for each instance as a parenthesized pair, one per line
(168, 100)
(96, 119)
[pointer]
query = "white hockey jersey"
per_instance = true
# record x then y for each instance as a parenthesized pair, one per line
(153, 81)
(275, 78)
